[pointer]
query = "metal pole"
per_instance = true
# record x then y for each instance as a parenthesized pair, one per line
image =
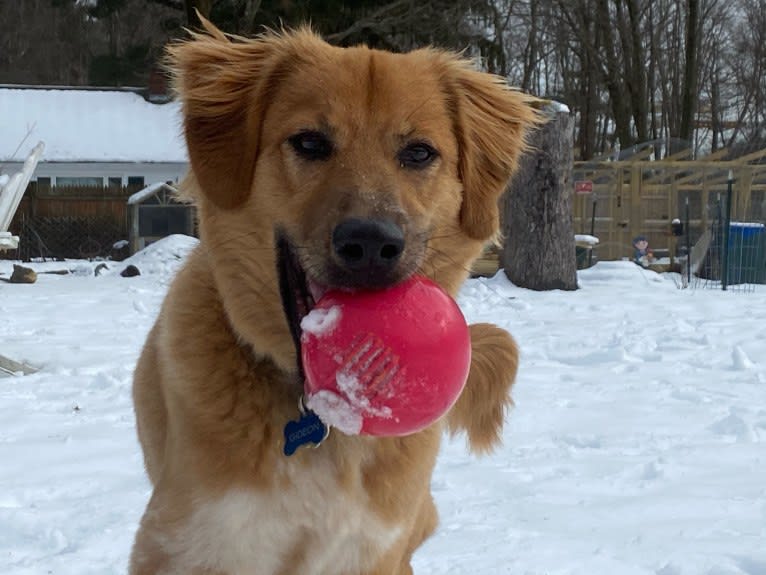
(592, 231)
(688, 246)
(726, 234)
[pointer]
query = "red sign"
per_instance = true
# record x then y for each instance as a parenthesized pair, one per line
(583, 186)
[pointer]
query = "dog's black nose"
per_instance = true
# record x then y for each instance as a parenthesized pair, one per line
(368, 245)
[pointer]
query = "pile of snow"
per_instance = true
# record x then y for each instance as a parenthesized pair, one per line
(586, 239)
(162, 258)
(4, 179)
(8, 241)
(637, 445)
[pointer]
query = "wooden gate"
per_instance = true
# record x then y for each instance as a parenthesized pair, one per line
(641, 197)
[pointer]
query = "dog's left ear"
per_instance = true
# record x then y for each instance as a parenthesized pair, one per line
(491, 125)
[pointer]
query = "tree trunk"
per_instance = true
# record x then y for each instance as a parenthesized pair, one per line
(539, 250)
(637, 80)
(689, 95)
(614, 74)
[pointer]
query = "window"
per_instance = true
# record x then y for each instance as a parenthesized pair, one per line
(115, 182)
(135, 181)
(44, 183)
(160, 221)
(79, 181)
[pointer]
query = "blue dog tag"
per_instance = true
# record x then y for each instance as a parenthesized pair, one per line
(308, 429)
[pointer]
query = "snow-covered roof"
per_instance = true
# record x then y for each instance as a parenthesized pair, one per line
(87, 125)
(141, 195)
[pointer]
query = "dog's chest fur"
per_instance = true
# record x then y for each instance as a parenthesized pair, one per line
(309, 525)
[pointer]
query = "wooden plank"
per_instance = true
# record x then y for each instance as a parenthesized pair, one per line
(679, 164)
(744, 192)
(746, 159)
(682, 155)
(485, 266)
(11, 367)
(720, 153)
(642, 156)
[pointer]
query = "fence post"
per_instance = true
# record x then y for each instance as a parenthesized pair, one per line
(704, 203)
(592, 227)
(688, 245)
(636, 219)
(613, 235)
(726, 234)
(673, 212)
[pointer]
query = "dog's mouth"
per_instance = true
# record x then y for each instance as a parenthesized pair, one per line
(299, 293)
(367, 256)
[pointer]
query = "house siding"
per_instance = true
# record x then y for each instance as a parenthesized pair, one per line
(151, 172)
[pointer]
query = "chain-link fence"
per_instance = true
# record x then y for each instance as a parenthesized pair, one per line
(70, 222)
(84, 237)
(730, 255)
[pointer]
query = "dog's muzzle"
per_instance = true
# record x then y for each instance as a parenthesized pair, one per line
(364, 253)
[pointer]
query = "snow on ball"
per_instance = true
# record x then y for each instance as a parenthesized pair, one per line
(385, 362)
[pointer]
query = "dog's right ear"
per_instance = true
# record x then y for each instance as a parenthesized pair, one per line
(223, 84)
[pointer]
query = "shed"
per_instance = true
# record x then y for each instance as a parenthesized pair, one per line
(154, 213)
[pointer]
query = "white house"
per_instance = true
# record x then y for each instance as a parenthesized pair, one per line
(93, 136)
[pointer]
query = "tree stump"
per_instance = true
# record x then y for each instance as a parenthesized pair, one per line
(539, 250)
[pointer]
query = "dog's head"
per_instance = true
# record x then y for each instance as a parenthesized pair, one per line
(349, 167)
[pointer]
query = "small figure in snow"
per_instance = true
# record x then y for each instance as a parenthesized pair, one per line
(642, 255)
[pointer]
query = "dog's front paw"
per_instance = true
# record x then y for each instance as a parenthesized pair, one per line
(480, 410)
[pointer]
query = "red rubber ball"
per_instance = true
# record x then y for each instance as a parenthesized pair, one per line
(388, 362)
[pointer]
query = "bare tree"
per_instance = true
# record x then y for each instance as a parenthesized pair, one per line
(691, 69)
(64, 55)
(748, 68)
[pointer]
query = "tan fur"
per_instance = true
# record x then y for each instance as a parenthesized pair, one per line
(217, 380)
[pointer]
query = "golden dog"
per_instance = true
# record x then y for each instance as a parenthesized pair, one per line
(312, 167)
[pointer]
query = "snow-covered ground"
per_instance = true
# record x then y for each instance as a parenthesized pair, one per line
(637, 445)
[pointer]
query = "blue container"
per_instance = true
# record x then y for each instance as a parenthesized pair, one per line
(747, 253)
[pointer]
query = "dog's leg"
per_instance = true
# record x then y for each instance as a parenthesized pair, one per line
(480, 410)
(155, 551)
(397, 560)
(151, 415)
(147, 556)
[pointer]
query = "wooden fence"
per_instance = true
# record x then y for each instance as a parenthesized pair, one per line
(71, 222)
(641, 197)
(75, 201)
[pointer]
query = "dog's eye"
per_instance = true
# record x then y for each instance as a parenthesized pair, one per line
(311, 145)
(417, 155)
